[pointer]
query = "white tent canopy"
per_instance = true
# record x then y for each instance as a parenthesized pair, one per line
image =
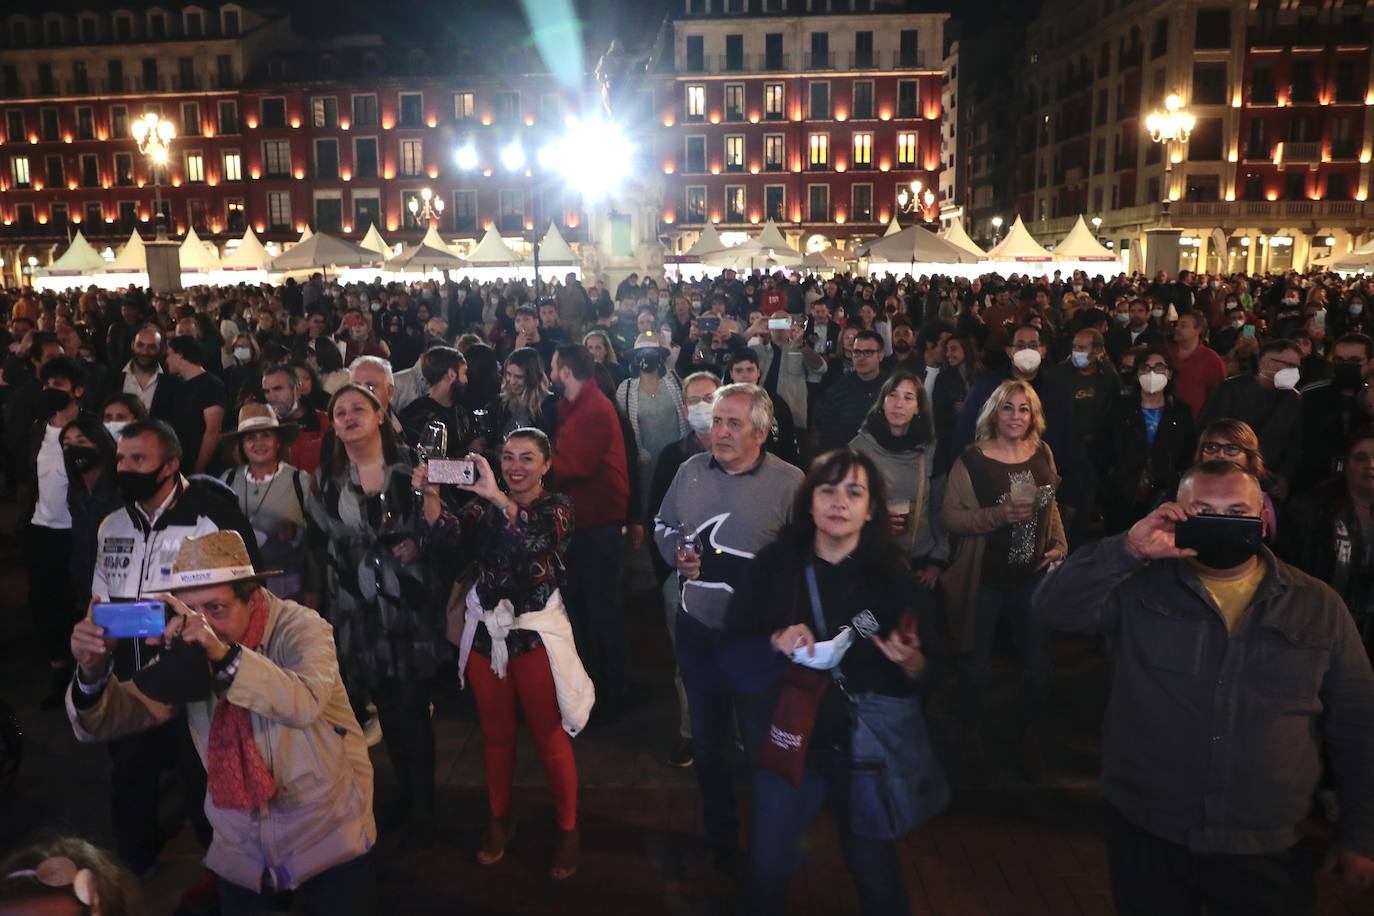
(957, 236)
(554, 249)
(131, 257)
(79, 258)
(915, 245)
(771, 239)
(321, 251)
(248, 255)
(373, 241)
(425, 257)
(305, 235)
(707, 243)
(196, 255)
(493, 251)
(1080, 245)
(1361, 260)
(893, 228)
(1019, 245)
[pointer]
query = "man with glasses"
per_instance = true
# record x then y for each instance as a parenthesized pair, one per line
(1331, 407)
(848, 400)
(1269, 403)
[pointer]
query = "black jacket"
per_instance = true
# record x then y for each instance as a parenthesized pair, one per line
(1275, 416)
(1119, 340)
(1136, 475)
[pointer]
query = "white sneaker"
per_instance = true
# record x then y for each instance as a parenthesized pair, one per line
(372, 731)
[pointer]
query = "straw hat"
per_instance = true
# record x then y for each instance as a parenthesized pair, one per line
(217, 558)
(254, 417)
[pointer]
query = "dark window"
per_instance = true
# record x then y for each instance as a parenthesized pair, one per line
(1100, 112)
(119, 122)
(411, 113)
(820, 50)
(114, 73)
(95, 218)
(224, 70)
(1253, 188)
(909, 54)
(818, 203)
(906, 98)
(236, 219)
(157, 27)
(1213, 29)
(124, 28)
(820, 101)
(1209, 84)
(9, 80)
(1262, 85)
(228, 117)
(80, 83)
(696, 54)
(1337, 186)
(696, 155)
(60, 216)
(863, 50)
(1204, 145)
(47, 120)
(190, 119)
(464, 212)
(734, 52)
(1347, 83)
(329, 214)
(1159, 44)
(52, 167)
(25, 214)
(195, 25)
(124, 169)
(1295, 184)
(775, 202)
(14, 125)
(772, 51)
(230, 18)
(273, 112)
(365, 157)
(1203, 189)
(1255, 147)
(861, 210)
(1104, 60)
(128, 215)
(327, 158)
(46, 85)
(90, 172)
(1304, 87)
(149, 74)
(364, 110)
(85, 124)
(863, 99)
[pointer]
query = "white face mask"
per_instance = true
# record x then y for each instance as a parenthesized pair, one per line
(114, 427)
(828, 654)
(699, 417)
(1238, 323)
(1026, 360)
(1156, 313)
(1152, 383)
(1356, 308)
(1122, 318)
(242, 354)
(1286, 379)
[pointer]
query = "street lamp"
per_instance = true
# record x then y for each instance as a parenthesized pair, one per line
(154, 137)
(427, 207)
(1171, 126)
(466, 157)
(910, 199)
(996, 228)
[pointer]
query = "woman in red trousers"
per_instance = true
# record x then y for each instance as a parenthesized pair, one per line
(517, 644)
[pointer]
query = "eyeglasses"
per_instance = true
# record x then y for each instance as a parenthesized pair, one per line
(1155, 369)
(1229, 449)
(60, 871)
(865, 351)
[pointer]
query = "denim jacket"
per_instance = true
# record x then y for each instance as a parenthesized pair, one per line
(1215, 740)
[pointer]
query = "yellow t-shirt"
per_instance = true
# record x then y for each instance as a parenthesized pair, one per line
(1233, 596)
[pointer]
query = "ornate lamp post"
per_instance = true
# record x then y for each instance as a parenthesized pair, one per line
(1171, 127)
(996, 229)
(427, 207)
(154, 137)
(911, 199)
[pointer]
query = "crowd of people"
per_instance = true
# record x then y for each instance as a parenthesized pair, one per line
(841, 489)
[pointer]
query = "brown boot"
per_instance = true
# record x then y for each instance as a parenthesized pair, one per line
(567, 852)
(500, 831)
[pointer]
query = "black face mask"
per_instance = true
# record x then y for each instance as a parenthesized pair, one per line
(81, 458)
(137, 486)
(55, 400)
(1347, 376)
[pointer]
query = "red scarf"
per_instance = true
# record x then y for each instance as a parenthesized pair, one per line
(237, 777)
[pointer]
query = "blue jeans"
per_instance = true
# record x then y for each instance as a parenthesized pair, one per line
(1013, 605)
(781, 816)
(710, 705)
(344, 890)
(593, 581)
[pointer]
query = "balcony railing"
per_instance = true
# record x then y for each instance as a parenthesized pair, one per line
(829, 60)
(1298, 152)
(1276, 209)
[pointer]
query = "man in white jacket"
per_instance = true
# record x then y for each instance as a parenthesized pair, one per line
(290, 782)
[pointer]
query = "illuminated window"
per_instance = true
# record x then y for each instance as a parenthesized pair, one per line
(863, 150)
(774, 151)
(412, 158)
(906, 149)
(235, 218)
(774, 96)
(233, 166)
(734, 153)
(462, 106)
(734, 203)
(195, 167)
(696, 204)
(19, 169)
(276, 158)
(696, 103)
(734, 101)
(820, 151)
(324, 112)
(279, 209)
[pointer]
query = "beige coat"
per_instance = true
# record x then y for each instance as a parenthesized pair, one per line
(969, 524)
(321, 815)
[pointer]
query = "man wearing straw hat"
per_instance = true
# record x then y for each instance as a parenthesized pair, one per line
(290, 782)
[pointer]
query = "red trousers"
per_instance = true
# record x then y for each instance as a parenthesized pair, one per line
(530, 677)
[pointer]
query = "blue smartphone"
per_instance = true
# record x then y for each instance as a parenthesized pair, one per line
(1248, 330)
(131, 619)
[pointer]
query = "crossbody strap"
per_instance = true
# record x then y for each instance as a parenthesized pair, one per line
(818, 614)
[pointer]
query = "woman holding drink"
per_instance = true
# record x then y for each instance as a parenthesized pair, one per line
(1000, 502)
(896, 434)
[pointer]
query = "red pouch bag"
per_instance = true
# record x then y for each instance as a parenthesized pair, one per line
(794, 717)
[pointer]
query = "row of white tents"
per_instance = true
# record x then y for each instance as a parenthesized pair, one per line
(902, 249)
(1359, 261)
(249, 261)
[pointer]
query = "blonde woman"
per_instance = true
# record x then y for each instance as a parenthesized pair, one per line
(1000, 504)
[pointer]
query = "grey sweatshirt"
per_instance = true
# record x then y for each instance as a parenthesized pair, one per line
(734, 515)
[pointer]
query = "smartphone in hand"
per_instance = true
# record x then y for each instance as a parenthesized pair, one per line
(130, 619)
